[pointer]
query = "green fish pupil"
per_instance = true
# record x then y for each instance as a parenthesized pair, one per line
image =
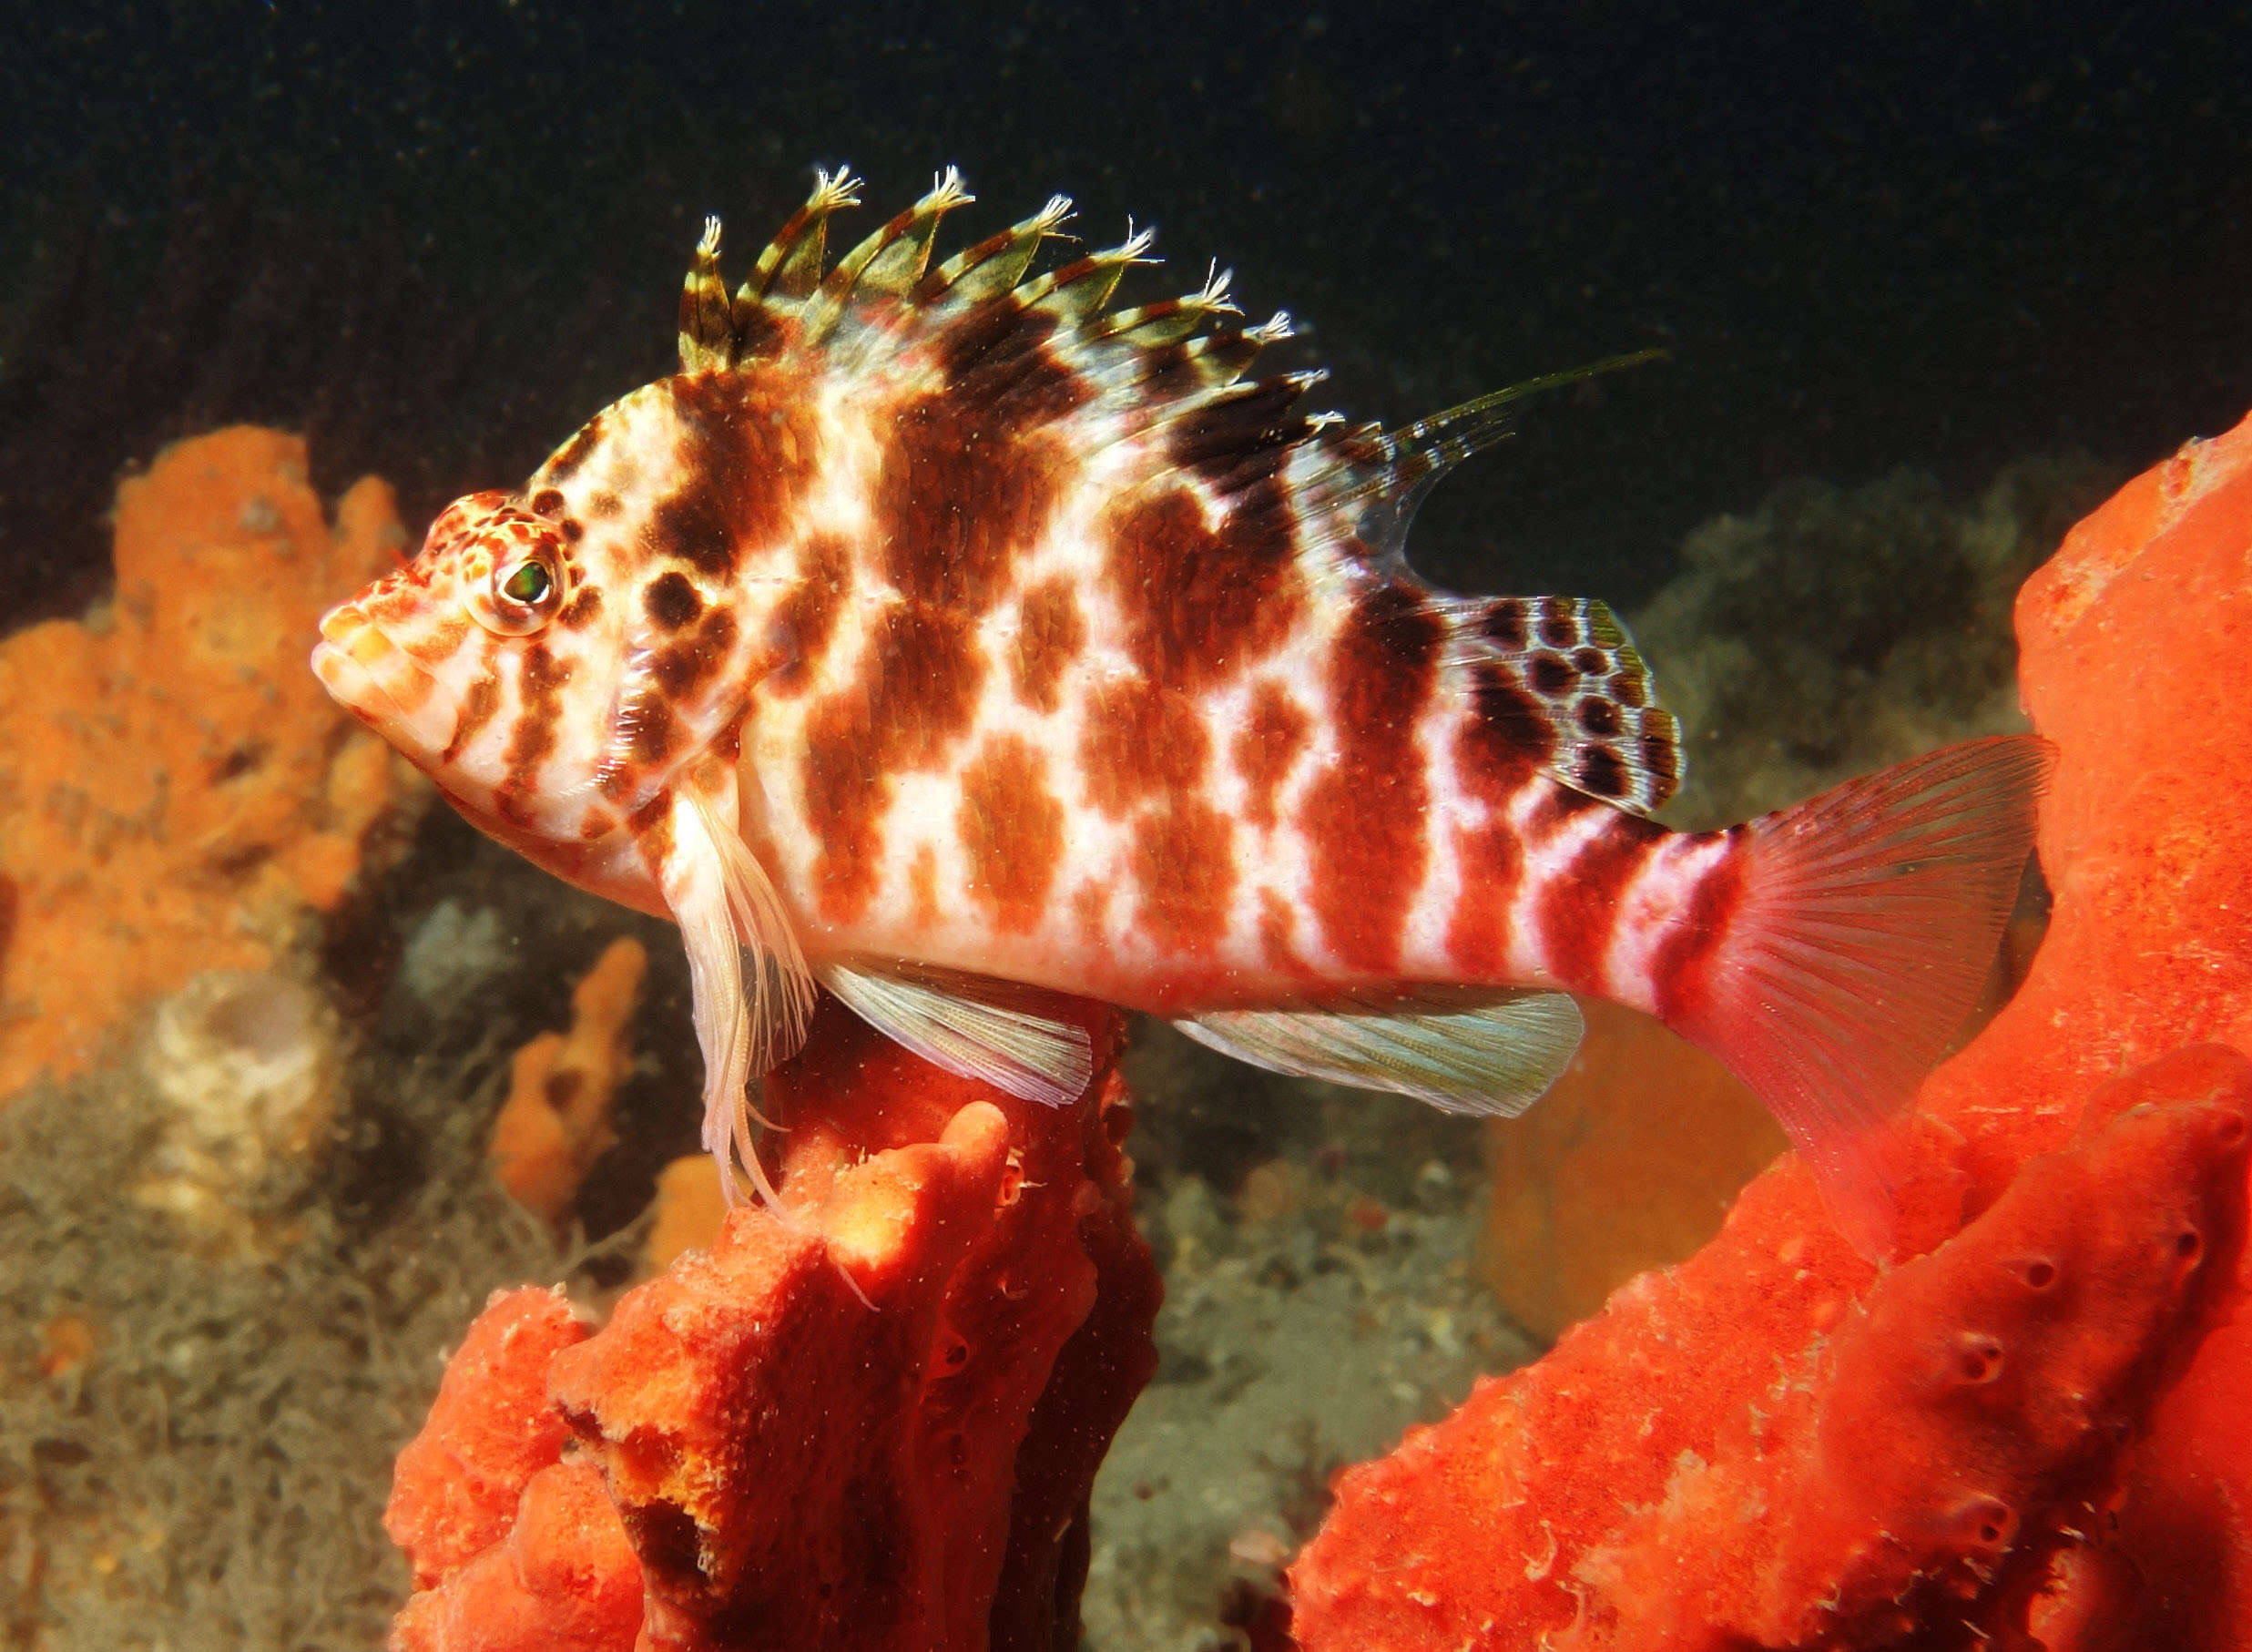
(529, 585)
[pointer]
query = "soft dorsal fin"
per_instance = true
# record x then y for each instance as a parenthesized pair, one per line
(1557, 677)
(1460, 1049)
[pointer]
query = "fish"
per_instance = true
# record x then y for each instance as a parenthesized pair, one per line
(944, 636)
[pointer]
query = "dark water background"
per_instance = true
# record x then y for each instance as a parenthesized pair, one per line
(437, 235)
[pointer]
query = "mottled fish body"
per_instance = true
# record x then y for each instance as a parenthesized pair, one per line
(947, 636)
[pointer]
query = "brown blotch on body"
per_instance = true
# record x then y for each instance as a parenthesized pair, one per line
(915, 696)
(478, 706)
(540, 678)
(1140, 739)
(682, 667)
(747, 450)
(655, 732)
(1268, 746)
(959, 499)
(1185, 869)
(1492, 860)
(1050, 632)
(1011, 829)
(1200, 606)
(1277, 936)
(1677, 979)
(671, 601)
(806, 619)
(1366, 817)
(972, 472)
(1579, 907)
(582, 610)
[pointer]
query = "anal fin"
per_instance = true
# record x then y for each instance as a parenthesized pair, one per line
(1462, 1050)
(971, 1026)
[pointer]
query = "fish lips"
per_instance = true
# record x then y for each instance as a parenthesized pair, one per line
(379, 682)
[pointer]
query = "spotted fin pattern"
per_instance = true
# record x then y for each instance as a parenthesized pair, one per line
(1567, 663)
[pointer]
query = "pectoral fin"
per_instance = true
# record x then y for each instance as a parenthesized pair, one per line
(1466, 1052)
(746, 1019)
(969, 1024)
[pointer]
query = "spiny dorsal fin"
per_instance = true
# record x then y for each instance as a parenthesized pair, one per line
(889, 262)
(790, 267)
(1081, 287)
(1168, 320)
(1399, 466)
(998, 263)
(706, 324)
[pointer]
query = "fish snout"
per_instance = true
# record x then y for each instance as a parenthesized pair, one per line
(379, 682)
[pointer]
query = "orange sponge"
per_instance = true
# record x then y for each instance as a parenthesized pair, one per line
(177, 792)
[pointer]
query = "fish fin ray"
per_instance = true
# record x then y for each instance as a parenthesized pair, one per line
(1470, 1051)
(971, 1026)
(1868, 923)
(745, 1021)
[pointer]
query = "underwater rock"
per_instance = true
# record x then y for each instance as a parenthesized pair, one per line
(177, 793)
(1562, 1496)
(451, 954)
(557, 1120)
(873, 1424)
(251, 1067)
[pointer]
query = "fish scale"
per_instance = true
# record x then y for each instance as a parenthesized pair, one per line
(953, 639)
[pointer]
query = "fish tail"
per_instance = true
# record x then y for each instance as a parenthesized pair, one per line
(1864, 923)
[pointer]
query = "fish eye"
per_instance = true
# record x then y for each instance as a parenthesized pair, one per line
(522, 595)
(529, 585)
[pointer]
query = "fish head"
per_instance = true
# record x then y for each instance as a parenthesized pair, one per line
(493, 663)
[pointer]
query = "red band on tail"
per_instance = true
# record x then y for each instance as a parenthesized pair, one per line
(1868, 920)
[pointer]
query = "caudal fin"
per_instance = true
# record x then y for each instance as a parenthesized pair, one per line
(1867, 923)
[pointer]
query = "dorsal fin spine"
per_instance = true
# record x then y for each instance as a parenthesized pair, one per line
(1081, 287)
(706, 326)
(997, 263)
(892, 260)
(790, 265)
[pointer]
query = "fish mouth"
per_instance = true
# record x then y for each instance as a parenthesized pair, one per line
(379, 682)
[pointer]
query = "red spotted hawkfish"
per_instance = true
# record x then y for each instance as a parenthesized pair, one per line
(945, 637)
